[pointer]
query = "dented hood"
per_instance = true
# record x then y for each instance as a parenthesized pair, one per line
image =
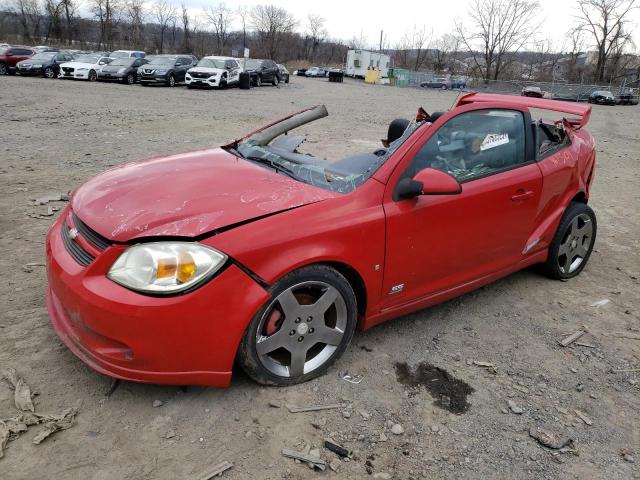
(186, 195)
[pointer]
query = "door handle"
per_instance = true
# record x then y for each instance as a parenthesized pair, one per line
(522, 195)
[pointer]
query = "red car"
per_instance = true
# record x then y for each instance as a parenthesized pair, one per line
(12, 54)
(171, 269)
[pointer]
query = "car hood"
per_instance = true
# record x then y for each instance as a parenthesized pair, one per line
(186, 195)
(35, 62)
(114, 68)
(205, 70)
(78, 65)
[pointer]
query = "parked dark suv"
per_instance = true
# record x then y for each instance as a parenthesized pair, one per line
(165, 69)
(123, 69)
(262, 71)
(11, 55)
(46, 64)
(602, 97)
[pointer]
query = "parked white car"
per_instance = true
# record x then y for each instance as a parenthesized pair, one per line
(127, 53)
(214, 72)
(316, 72)
(85, 67)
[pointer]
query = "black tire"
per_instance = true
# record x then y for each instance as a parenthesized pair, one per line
(286, 80)
(130, 79)
(3, 69)
(275, 81)
(223, 83)
(49, 73)
(171, 81)
(258, 81)
(93, 76)
(248, 357)
(563, 238)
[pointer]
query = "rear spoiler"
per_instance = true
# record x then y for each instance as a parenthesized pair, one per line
(580, 109)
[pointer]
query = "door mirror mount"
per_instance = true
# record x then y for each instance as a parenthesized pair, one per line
(427, 181)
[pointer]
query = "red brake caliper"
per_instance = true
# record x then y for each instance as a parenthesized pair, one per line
(273, 322)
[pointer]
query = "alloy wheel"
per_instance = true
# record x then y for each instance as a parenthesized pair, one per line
(172, 81)
(3, 69)
(48, 72)
(131, 79)
(576, 244)
(301, 329)
(92, 76)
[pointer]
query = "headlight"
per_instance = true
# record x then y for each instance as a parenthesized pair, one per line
(122, 70)
(165, 267)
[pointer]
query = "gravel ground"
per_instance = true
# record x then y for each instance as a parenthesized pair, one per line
(56, 134)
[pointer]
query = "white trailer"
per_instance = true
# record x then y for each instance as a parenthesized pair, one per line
(359, 61)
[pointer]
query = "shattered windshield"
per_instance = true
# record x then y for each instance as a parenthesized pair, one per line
(274, 147)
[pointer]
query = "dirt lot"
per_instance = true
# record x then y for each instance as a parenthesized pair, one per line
(56, 134)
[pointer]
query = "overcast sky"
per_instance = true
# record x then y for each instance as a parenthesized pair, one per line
(346, 19)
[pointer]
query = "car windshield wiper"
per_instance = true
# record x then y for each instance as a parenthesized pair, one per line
(270, 163)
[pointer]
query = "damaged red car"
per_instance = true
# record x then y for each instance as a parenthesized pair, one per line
(174, 269)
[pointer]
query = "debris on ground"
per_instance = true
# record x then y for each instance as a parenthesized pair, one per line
(491, 368)
(22, 392)
(312, 460)
(397, 429)
(337, 449)
(625, 453)
(550, 439)
(568, 340)
(217, 470)
(352, 378)
(313, 408)
(275, 404)
(11, 428)
(600, 303)
(583, 417)
(157, 403)
(514, 407)
(61, 197)
(382, 476)
(55, 423)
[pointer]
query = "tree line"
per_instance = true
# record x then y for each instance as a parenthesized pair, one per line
(496, 39)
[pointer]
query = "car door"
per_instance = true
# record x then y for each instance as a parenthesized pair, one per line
(435, 243)
(233, 71)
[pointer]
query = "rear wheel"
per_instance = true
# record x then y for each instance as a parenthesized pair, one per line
(3, 69)
(573, 242)
(93, 76)
(302, 330)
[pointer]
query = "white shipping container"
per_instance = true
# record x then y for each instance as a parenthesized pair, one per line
(359, 61)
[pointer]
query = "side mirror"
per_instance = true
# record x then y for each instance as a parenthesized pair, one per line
(428, 181)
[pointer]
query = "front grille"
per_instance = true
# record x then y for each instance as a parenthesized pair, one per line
(67, 70)
(147, 72)
(93, 237)
(199, 75)
(80, 255)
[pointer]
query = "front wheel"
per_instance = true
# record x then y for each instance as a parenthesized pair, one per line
(302, 330)
(259, 81)
(171, 81)
(131, 79)
(49, 73)
(276, 81)
(573, 242)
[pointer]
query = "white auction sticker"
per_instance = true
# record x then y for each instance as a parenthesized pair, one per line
(493, 140)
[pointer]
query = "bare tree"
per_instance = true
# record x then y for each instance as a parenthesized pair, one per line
(358, 42)
(105, 13)
(54, 20)
(317, 33)
(606, 21)
(164, 13)
(30, 15)
(186, 34)
(135, 13)
(271, 24)
(69, 7)
(243, 14)
(220, 17)
(497, 28)
(420, 41)
(444, 50)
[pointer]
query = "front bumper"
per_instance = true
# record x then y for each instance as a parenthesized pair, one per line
(202, 82)
(77, 74)
(112, 76)
(31, 71)
(189, 339)
(152, 78)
